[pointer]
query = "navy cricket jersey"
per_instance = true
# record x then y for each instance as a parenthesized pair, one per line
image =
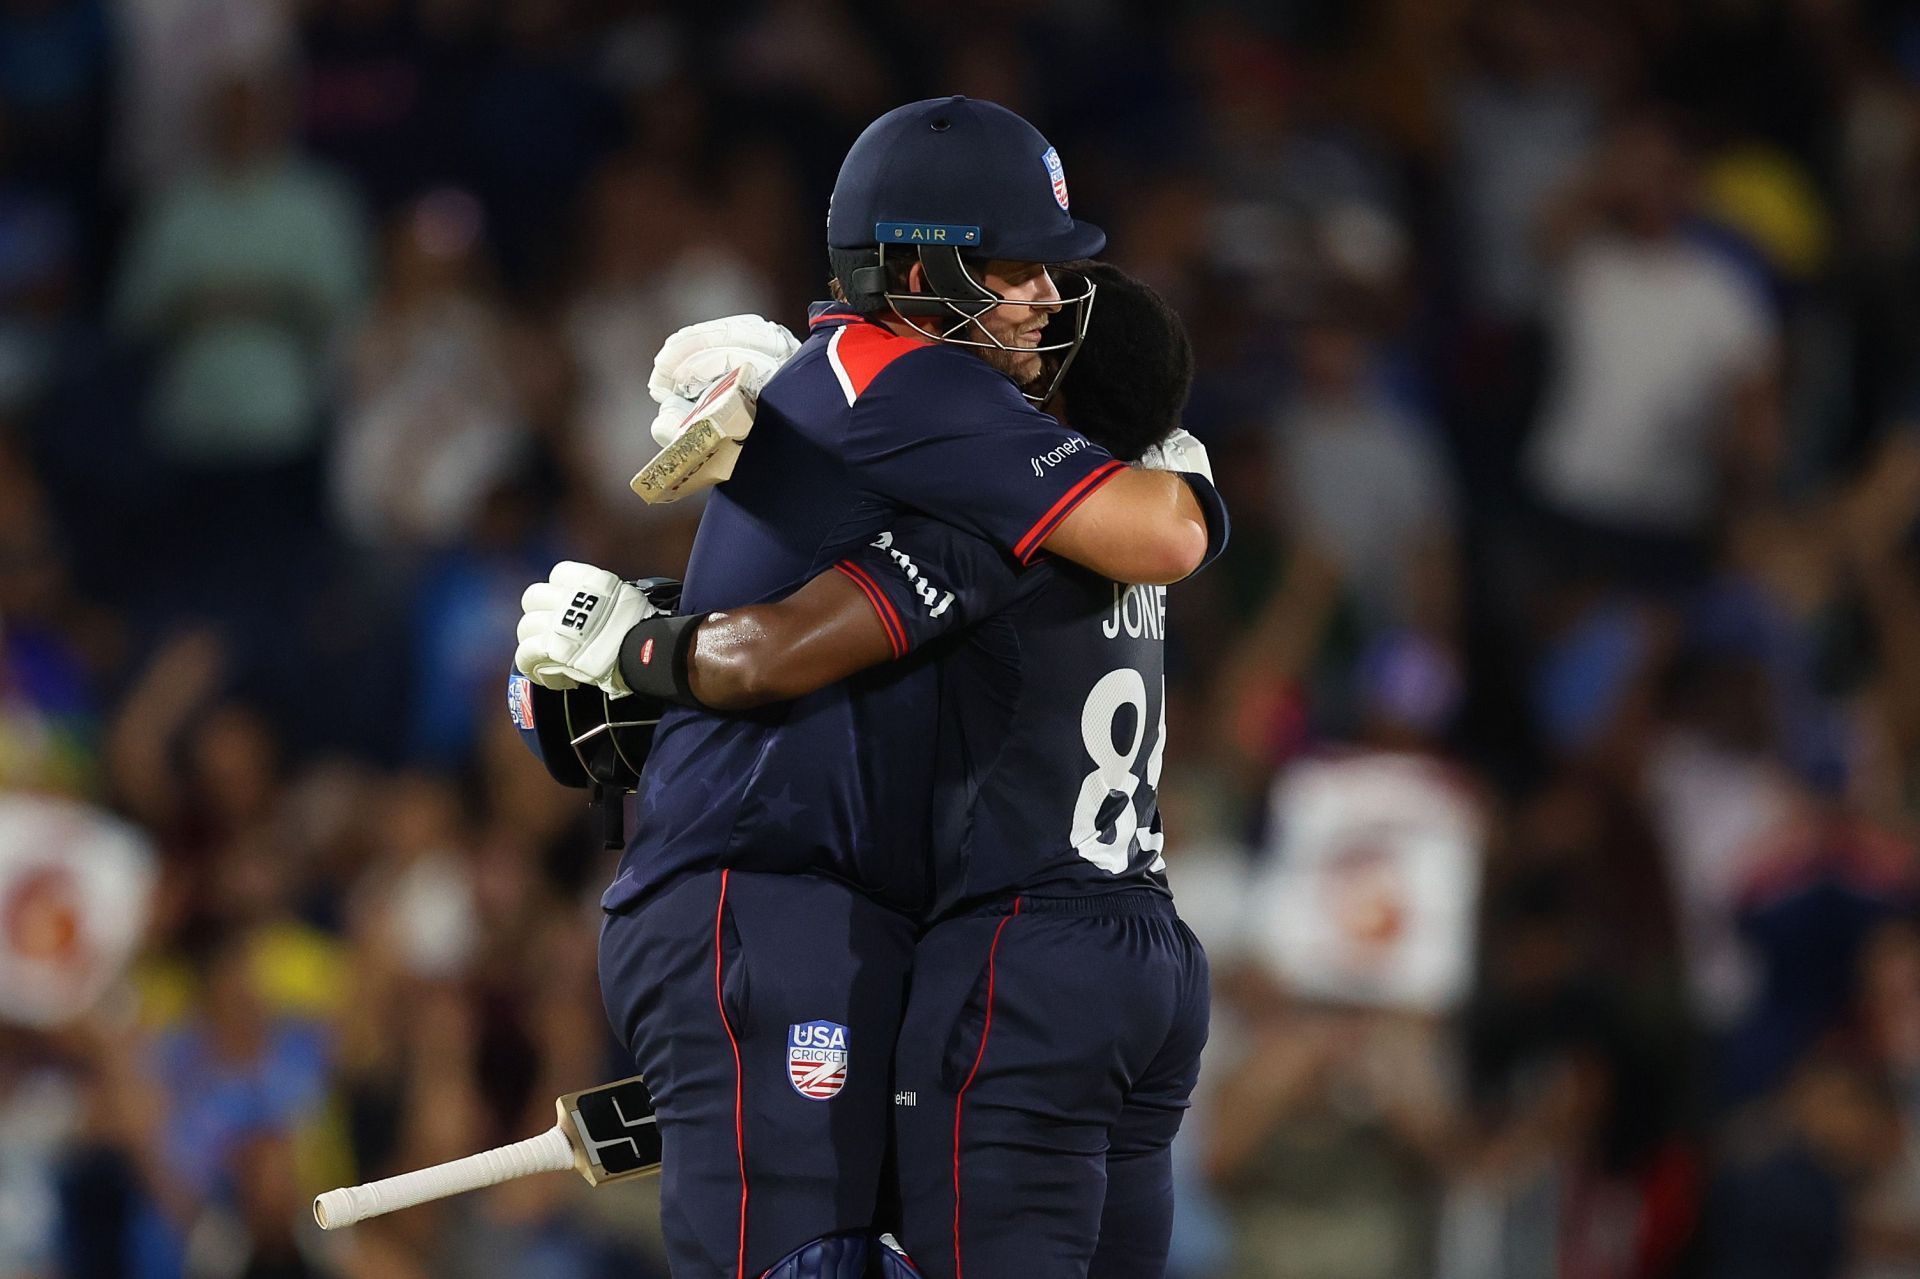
(1053, 715)
(858, 428)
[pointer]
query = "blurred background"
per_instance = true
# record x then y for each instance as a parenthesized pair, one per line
(1546, 746)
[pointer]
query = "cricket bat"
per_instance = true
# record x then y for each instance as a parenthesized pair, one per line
(704, 448)
(605, 1134)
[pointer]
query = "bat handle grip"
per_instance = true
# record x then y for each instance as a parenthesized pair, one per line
(549, 1152)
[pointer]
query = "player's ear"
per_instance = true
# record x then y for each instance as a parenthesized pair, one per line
(917, 279)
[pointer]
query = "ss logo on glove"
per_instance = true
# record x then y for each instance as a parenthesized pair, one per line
(572, 626)
(576, 617)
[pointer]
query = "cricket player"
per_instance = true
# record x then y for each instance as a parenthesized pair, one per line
(759, 934)
(1058, 1006)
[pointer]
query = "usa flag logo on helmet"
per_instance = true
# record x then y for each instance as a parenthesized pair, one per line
(520, 701)
(1057, 174)
(817, 1058)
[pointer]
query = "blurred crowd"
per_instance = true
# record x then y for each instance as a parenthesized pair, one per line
(1546, 746)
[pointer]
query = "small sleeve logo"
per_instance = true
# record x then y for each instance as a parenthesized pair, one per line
(1045, 462)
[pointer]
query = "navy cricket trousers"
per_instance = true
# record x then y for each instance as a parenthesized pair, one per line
(1048, 1053)
(762, 1010)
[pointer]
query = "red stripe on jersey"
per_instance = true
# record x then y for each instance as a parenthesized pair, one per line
(1029, 546)
(863, 350)
(889, 618)
(892, 613)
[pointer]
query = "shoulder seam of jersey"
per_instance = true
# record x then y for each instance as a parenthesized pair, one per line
(859, 352)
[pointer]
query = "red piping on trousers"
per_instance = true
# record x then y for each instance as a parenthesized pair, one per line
(739, 1103)
(961, 1097)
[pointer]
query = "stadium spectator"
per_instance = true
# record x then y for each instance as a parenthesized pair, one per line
(1366, 485)
(171, 57)
(1332, 1109)
(1784, 1202)
(1663, 401)
(430, 422)
(239, 277)
(653, 261)
(1522, 118)
(241, 272)
(50, 684)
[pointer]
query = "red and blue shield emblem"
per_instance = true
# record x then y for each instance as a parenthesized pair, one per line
(1057, 174)
(817, 1058)
(520, 701)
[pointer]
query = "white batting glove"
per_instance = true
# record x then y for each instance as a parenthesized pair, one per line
(571, 626)
(1179, 452)
(701, 354)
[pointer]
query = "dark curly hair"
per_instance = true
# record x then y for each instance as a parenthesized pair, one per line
(1125, 389)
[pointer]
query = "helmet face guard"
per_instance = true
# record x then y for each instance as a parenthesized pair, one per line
(957, 299)
(586, 738)
(610, 736)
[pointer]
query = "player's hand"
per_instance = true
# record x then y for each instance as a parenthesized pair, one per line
(699, 355)
(1179, 452)
(571, 626)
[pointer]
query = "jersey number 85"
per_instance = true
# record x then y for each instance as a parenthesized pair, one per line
(1102, 835)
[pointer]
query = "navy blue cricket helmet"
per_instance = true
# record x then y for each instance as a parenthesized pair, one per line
(972, 169)
(958, 181)
(587, 738)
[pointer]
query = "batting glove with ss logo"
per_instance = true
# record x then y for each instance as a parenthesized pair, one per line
(571, 626)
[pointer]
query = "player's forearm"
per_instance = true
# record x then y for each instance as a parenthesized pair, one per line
(767, 653)
(733, 665)
(1141, 527)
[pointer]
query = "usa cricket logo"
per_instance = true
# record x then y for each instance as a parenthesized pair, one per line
(1057, 174)
(817, 1058)
(520, 700)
